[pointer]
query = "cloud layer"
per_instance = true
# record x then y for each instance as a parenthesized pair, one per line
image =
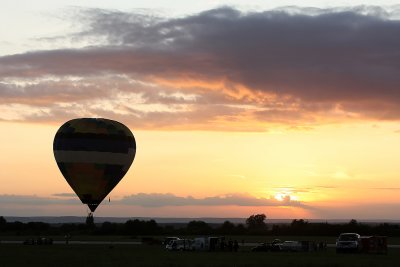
(154, 200)
(147, 204)
(35, 200)
(162, 200)
(219, 69)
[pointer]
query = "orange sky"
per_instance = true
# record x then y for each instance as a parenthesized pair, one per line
(291, 113)
(336, 167)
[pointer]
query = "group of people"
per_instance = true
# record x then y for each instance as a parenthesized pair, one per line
(230, 245)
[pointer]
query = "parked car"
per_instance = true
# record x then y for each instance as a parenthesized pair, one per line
(29, 241)
(179, 244)
(169, 239)
(275, 245)
(262, 247)
(292, 246)
(38, 241)
(44, 241)
(348, 242)
(266, 246)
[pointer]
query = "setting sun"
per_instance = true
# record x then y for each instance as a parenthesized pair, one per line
(280, 196)
(285, 196)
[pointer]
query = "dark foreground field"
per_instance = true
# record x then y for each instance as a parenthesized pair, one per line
(141, 255)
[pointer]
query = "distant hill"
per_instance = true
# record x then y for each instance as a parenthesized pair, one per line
(77, 219)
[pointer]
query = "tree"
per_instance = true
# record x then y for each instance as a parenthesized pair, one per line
(198, 228)
(256, 223)
(227, 228)
(132, 227)
(108, 228)
(353, 222)
(240, 229)
(299, 227)
(3, 223)
(138, 227)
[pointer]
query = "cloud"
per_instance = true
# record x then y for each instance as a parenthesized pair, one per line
(72, 195)
(154, 200)
(381, 211)
(143, 201)
(35, 200)
(66, 203)
(161, 200)
(386, 188)
(219, 69)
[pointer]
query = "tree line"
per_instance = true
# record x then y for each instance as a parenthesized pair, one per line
(254, 225)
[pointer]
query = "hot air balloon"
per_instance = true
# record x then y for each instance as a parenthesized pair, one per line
(93, 154)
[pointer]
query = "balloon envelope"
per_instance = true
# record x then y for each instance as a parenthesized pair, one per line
(93, 155)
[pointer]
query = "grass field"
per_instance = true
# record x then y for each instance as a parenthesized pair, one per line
(156, 256)
(247, 239)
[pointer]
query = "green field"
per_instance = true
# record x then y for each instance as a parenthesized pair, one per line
(247, 239)
(140, 255)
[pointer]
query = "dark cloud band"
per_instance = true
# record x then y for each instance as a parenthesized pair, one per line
(162, 200)
(287, 65)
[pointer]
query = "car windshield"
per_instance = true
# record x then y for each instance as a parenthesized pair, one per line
(348, 237)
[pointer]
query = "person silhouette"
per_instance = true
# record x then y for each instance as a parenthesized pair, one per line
(235, 246)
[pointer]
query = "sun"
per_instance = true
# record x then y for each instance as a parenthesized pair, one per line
(280, 196)
(285, 196)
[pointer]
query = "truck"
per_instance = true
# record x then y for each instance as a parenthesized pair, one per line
(209, 243)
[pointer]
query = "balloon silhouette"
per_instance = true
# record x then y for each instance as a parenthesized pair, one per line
(93, 155)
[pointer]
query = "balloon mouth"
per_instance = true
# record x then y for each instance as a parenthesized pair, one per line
(92, 207)
(90, 202)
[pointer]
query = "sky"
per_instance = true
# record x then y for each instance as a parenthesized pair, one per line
(285, 108)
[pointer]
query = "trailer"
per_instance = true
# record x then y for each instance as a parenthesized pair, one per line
(209, 243)
(374, 244)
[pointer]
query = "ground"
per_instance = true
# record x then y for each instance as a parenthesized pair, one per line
(154, 256)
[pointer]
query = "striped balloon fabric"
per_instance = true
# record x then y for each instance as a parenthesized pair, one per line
(93, 154)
